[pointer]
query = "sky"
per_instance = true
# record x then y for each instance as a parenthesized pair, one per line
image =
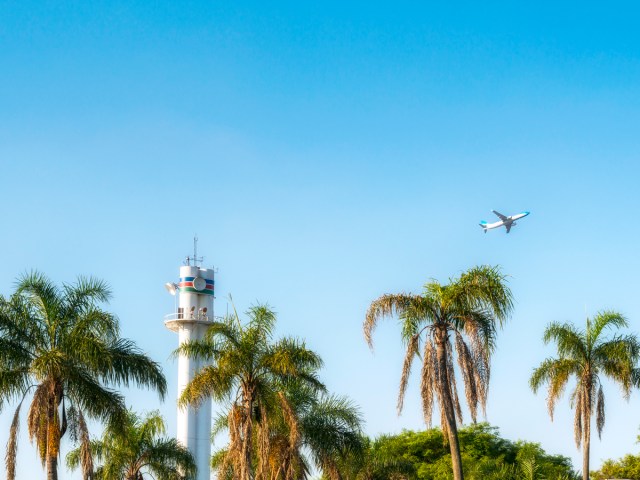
(326, 153)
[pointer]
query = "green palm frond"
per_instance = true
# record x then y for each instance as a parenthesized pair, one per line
(569, 340)
(604, 320)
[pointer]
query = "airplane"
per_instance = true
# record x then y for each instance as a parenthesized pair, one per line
(505, 221)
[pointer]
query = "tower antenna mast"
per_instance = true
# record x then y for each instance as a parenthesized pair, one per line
(195, 257)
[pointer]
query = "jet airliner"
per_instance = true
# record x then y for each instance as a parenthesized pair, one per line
(505, 221)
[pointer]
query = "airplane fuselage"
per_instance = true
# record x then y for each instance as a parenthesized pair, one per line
(507, 222)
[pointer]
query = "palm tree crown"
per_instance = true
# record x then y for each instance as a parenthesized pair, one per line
(248, 370)
(458, 319)
(60, 345)
(588, 356)
(134, 450)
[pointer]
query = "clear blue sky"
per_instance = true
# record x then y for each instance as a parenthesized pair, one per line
(325, 154)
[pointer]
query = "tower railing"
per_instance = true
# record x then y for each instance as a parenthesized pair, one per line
(198, 315)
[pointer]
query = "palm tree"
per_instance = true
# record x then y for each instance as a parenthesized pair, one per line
(135, 449)
(59, 344)
(588, 355)
(328, 427)
(466, 313)
(248, 369)
(319, 430)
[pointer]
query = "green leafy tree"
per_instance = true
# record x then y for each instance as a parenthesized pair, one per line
(485, 456)
(136, 449)
(459, 319)
(626, 467)
(373, 463)
(59, 346)
(587, 355)
(248, 369)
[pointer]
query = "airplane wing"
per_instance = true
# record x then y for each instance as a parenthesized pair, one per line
(500, 216)
(508, 228)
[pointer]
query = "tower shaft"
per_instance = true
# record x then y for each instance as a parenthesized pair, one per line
(193, 316)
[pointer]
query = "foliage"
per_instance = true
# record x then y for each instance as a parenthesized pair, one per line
(458, 320)
(60, 346)
(485, 456)
(626, 467)
(131, 450)
(587, 355)
(277, 407)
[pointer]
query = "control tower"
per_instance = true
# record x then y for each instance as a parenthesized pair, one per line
(194, 313)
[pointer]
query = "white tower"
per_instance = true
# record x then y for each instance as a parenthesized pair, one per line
(194, 313)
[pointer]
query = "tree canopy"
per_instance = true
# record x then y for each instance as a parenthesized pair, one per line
(485, 456)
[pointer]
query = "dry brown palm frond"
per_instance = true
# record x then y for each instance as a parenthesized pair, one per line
(294, 434)
(451, 380)
(557, 385)
(232, 460)
(600, 412)
(482, 373)
(37, 423)
(278, 449)
(482, 366)
(225, 466)
(412, 350)
(578, 418)
(384, 306)
(12, 445)
(468, 370)
(86, 459)
(427, 381)
(263, 442)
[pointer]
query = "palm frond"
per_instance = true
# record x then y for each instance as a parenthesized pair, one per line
(412, 351)
(600, 416)
(386, 306)
(127, 364)
(555, 373)
(570, 342)
(467, 366)
(428, 381)
(12, 445)
(603, 320)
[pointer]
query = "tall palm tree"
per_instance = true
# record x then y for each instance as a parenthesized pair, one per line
(466, 313)
(587, 355)
(135, 449)
(57, 344)
(247, 368)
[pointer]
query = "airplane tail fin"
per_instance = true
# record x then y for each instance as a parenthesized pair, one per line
(483, 224)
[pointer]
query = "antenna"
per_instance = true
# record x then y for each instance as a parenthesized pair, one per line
(195, 259)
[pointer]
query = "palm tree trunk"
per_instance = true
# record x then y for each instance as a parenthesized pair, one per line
(586, 445)
(447, 405)
(52, 467)
(245, 469)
